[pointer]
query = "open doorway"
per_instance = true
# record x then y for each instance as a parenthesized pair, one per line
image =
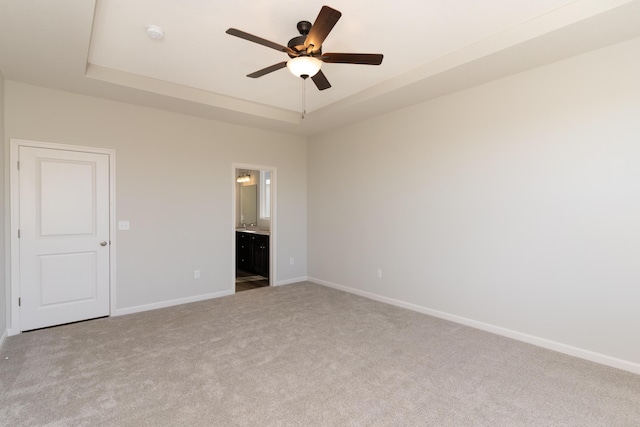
(253, 226)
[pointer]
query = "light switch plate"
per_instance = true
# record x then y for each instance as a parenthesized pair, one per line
(123, 225)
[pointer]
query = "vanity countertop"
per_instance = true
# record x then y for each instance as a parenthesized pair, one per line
(254, 231)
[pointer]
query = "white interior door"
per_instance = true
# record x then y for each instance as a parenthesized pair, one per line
(64, 236)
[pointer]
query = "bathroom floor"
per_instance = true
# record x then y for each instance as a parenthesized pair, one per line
(246, 281)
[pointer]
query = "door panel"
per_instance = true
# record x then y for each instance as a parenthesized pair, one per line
(67, 277)
(64, 218)
(66, 196)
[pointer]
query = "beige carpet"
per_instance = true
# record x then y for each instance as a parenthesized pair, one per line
(299, 355)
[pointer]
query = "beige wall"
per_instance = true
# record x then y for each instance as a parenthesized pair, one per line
(174, 184)
(512, 206)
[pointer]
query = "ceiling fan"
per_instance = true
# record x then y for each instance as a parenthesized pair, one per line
(305, 50)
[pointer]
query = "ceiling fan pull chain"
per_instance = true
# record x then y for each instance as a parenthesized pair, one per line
(304, 100)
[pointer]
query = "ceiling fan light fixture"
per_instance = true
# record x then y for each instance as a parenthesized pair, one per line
(304, 66)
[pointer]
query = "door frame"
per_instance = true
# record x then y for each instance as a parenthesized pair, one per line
(272, 232)
(13, 290)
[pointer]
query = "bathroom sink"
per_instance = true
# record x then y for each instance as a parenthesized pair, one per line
(265, 232)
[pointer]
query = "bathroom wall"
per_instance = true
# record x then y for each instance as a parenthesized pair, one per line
(4, 246)
(263, 224)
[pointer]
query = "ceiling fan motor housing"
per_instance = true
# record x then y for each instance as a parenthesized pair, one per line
(297, 43)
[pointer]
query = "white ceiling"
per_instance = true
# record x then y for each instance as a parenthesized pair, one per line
(196, 52)
(430, 48)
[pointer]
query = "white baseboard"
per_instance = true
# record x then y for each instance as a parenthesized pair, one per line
(170, 303)
(581, 353)
(291, 281)
(4, 336)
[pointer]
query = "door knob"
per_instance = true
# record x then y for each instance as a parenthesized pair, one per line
(103, 243)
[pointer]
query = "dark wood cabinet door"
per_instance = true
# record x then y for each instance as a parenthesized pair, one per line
(244, 252)
(261, 256)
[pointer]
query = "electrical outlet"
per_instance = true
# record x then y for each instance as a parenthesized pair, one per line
(379, 273)
(196, 274)
(123, 225)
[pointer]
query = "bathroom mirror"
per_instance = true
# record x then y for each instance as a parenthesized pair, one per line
(249, 204)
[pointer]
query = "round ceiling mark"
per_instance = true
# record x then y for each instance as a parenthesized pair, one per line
(155, 32)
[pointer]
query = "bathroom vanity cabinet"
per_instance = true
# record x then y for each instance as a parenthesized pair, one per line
(252, 252)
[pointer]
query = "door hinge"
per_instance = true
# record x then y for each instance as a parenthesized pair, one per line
(19, 302)
(18, 165)
(18, 233)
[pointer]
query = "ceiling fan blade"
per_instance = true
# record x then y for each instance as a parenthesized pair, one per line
(352, 58)
(260, 40)
(321, 81)
(320, 29)
(270, 69)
